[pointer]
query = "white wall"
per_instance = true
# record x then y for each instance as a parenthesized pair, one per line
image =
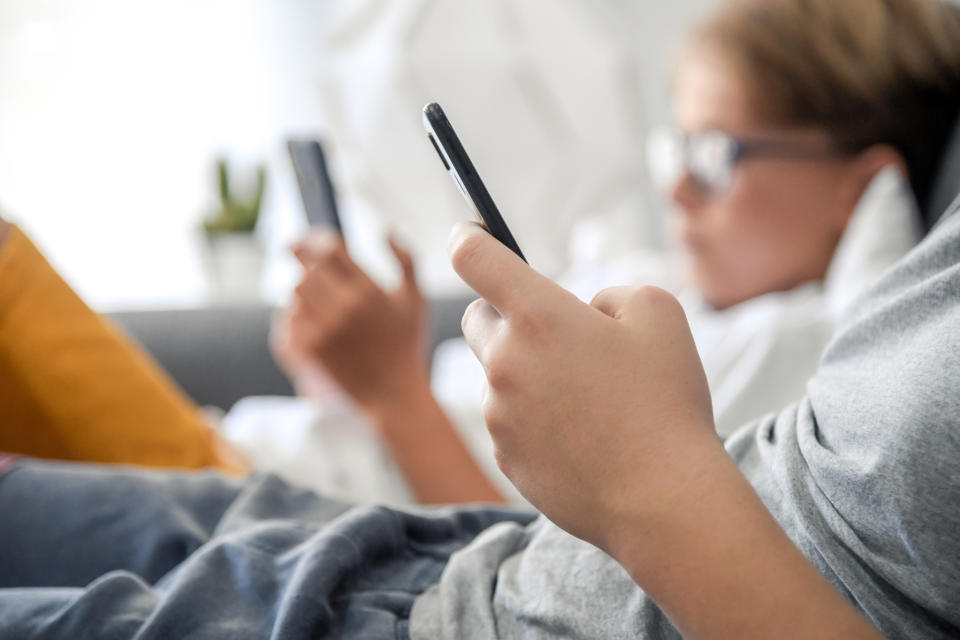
(551, 98)
(111, 112)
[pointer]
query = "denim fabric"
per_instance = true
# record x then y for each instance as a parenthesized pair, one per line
(111, 552)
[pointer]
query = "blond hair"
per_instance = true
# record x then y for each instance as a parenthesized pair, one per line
(865, 71)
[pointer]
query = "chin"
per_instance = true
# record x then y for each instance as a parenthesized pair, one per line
(717, 303)
(717, 297)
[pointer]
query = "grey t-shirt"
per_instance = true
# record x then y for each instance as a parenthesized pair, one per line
(863, 475)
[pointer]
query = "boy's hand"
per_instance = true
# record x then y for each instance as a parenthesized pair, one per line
(595, 410)
(601, 417)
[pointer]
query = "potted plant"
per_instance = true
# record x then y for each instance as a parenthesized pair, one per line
(234, 255)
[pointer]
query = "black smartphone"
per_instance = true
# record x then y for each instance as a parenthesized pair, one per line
(316, 189)
(457, 162)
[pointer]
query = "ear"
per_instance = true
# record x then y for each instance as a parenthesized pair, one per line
(869, 162)
(861, 169)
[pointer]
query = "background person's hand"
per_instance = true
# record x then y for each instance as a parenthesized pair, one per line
(306, 373)
(342, 327)
(370, 341)
(595, 411)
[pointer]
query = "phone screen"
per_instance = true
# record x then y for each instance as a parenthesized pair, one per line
(457, 163)
(316, 188)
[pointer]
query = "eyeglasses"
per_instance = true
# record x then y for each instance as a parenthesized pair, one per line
(711, 156)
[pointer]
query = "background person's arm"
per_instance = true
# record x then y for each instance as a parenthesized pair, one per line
(601, 417)
(372, 343)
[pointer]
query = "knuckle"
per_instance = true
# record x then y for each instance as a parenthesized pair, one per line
(493, 416)
(329, 257)
(470, 313)
(651, 295)
(502, 460)
(532, 322)
(648, 299)
(499, 364)
(600, 298)
(610, 296)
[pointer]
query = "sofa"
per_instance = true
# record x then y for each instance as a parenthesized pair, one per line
(220, 354)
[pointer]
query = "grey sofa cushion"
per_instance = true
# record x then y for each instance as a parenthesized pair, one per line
(221, 354)
(217, 355)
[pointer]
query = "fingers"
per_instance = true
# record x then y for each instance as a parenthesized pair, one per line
(497, 274)
(314, 245)
(629, 303)
(405, 259)
(318, 284)
(480, 323)
(325, 247)
(612, 301)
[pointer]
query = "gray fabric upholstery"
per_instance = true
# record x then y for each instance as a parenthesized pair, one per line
(221, 354)
(217, 355)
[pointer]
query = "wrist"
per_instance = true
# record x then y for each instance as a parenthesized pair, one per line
(676, 502)
(406, 396)
(711, 542)
(427, 448)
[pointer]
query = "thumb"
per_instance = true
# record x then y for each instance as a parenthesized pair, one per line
(495, 272)
(312, 247)
(405, 259)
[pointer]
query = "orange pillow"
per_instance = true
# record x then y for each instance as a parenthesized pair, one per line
(74, 387)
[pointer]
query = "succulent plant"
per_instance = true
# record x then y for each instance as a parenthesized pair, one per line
(236, 213)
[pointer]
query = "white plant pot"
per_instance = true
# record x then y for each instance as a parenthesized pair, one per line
(234, 266)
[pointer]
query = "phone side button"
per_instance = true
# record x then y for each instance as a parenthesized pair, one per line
(439, 153)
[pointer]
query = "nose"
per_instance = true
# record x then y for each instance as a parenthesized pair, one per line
(686, 193)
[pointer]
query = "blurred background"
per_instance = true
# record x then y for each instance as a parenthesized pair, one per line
(113, 115)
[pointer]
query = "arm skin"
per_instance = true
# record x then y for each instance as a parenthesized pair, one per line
(343, 330)
(4, 225)
(729, 570)
(601, 417)
(428, 449)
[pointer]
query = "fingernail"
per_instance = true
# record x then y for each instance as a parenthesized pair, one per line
(459, 230)
(394, 238)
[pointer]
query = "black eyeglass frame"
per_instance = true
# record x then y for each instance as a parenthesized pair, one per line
(740, 149)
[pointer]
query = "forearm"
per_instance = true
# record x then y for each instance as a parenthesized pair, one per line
(720, 566)
(426, 446)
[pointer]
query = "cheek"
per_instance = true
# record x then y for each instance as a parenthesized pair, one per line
(762, 235)
(735, 231)
(761, 226)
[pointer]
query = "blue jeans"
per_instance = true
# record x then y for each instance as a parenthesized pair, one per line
(114, 552)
